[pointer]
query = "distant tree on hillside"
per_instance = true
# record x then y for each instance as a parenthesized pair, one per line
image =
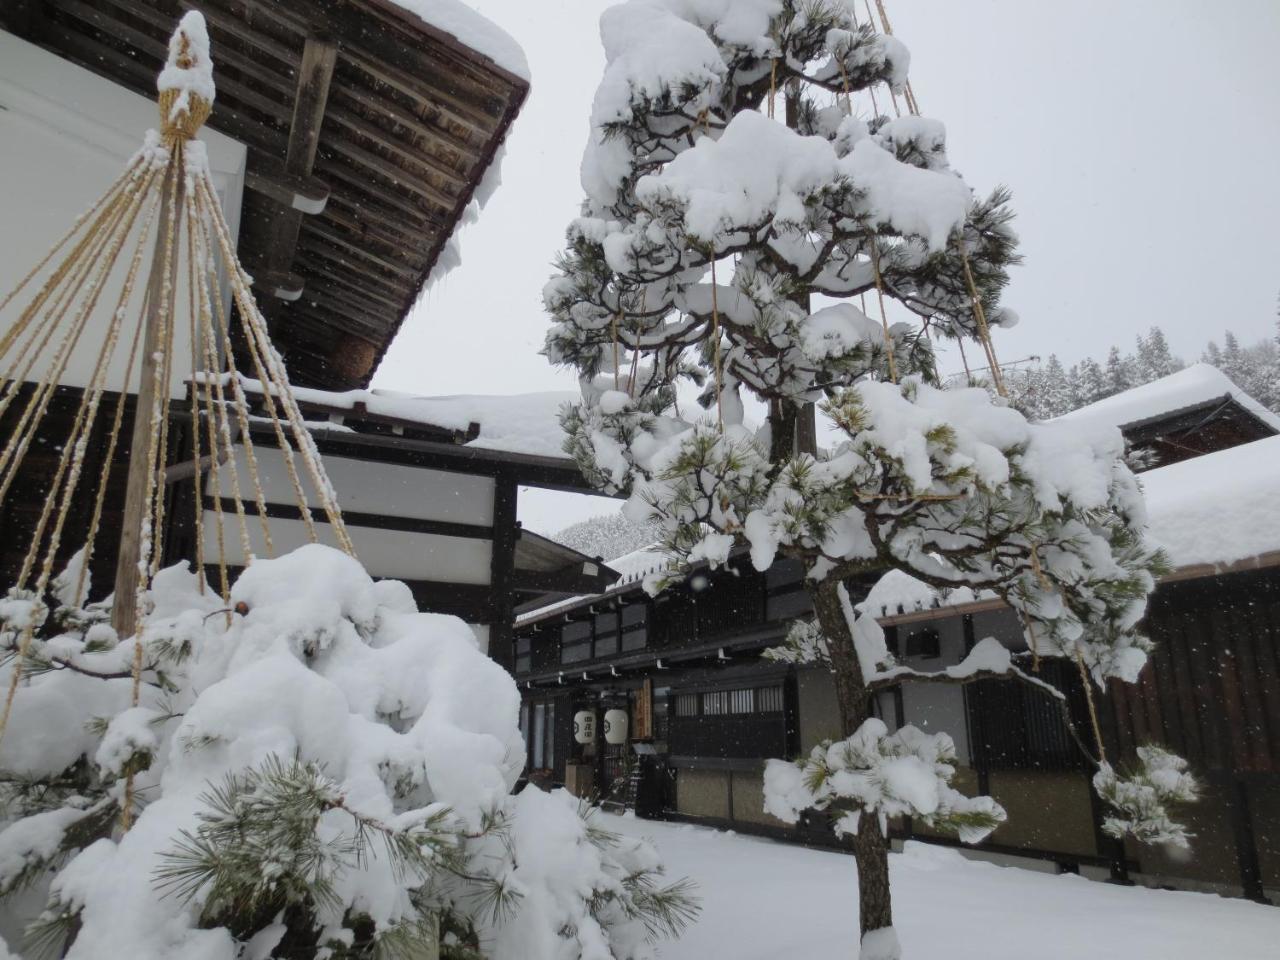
(1044, 391)
(608, 536)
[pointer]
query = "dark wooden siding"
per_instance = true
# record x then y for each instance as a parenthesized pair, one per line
(1212, 689)
(21, 507)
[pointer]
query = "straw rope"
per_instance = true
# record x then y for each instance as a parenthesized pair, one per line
(160, 192)
(1093, 708)
(269, 358)
(715, 335)
(71, 459)
(884, 316)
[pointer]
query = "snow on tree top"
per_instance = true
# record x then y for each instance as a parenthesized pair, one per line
(760, 169)
(1189, 387)
(1218, 508)
(472, 30)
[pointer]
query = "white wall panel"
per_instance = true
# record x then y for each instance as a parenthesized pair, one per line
(364, 486)
(385, 553)
(65, 136)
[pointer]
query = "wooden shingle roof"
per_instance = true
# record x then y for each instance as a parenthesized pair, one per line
(357, 109)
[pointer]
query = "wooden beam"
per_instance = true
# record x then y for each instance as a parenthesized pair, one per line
(355, 323)
(411, 121)
(388, 199)
(315, 255)
(373, 521)
(502, 572)
(235, 25)
(396, 174)
(323, 230)
(386, 138)
(309, 195)
(280, 284)
(359, 219)
(319, 56)
(355, 292)
(393, 56)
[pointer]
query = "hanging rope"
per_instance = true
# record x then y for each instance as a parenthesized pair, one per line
(163, 190)
(980, 318)
(715, 334)
(1093, 709)
(884, 316)
(912, 104)
(613, 323)
(773, 84)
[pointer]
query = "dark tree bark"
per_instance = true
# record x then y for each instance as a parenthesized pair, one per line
(870, 845)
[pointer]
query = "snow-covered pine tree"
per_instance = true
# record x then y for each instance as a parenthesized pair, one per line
(1119, 372)
(1212, 354)
(721, 245)
(1055, 391)
(321, 772)
(1092, 383)
(1154, 359)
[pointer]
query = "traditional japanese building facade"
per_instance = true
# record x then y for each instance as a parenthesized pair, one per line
(348, 142)
(707, 708)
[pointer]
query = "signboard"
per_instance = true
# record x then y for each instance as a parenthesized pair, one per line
(642, 712)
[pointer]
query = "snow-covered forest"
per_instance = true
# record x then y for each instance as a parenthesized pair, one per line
(1047, 389)
(608, 535)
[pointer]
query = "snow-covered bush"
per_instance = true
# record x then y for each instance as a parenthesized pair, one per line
(738, 246)
(319, 770)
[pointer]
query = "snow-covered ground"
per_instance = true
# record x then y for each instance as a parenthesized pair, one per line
(764, 900)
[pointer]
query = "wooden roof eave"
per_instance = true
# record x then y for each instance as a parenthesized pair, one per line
(390, 132)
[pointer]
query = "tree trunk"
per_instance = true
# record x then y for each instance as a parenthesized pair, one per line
(870, 845)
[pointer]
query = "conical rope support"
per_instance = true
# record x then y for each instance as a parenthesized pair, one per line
(153, 246)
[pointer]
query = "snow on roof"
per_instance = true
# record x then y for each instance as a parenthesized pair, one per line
(1218, 508)
(633, 567)
(1194, 385)
(472, 30)
(527, 423)
(897, 593)
(518, 423)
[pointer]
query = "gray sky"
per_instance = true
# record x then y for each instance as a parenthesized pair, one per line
(1140, 138)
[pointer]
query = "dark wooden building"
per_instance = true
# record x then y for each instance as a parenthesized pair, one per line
(707, 709)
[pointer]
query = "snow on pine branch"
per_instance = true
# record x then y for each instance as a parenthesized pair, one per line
(874, 773)
(321, 761)
(1143, 798)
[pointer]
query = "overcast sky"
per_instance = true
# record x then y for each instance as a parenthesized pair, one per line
(1140, 138)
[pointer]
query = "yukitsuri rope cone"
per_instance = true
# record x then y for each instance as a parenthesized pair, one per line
(162, 213)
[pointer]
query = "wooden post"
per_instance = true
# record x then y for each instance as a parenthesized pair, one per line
(502, 572)
(1237, 797)
(319, 57)
(124, 610)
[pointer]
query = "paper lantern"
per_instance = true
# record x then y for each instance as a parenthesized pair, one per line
(584, 726)
(615, 727)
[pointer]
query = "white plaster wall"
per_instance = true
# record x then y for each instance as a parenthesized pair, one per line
(938, 707)
(65, 136)
(365, 487)
(385, 553)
